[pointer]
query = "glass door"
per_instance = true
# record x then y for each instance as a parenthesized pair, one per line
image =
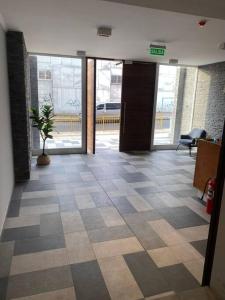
(60, 82)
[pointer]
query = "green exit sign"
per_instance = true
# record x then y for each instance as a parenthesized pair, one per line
(157, 51)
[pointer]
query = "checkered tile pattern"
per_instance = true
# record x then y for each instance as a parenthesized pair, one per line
(110, 226)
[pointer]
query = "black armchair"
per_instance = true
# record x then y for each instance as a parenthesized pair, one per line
(190, 140)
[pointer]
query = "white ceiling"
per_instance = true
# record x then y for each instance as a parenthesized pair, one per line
(63, 27)
(207, 8)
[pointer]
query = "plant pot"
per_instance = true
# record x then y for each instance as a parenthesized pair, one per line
(43, 160)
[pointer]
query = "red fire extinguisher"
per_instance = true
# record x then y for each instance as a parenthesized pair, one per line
(210, 195)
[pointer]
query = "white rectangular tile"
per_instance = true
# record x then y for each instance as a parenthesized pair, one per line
(124, 286)
(139, 203)
(38, 261)
(84, 201)
(72, 221)
(166, 232)
(111, 216)
(117, 247)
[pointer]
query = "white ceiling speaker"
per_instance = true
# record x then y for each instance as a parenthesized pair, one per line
(104, 31)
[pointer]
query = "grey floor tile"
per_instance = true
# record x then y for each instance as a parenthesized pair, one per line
(36, 185)
(141, 217)
(3, 288)
(39, 282)
(89, 282)
(101, 199)
(135, 177)
(20, 233)
(17, 192)
(200, 246)
(51, 224)
(148, 190)
(181, 217)
(184, 193)
(179, 278)
(6, 254)
(67, 203)
(147, 236)
(146, 274)
(92, 218)
(38, 244)
(109, 233)
(123, 205)
(14, 208)
(39, 201)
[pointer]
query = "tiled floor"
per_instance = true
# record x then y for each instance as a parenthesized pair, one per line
(111, 226)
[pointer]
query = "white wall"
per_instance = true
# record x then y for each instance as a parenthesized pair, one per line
(6, 156)
(218, 273)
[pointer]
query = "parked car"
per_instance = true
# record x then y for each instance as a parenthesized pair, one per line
(109, 109)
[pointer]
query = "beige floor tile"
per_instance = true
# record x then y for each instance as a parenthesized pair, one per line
(166, 232)
(22, 221)
(185, 252)
(38, 194)
(118, 278)
(38, 209)
(34, 176)
(130, 169)
(63, 294)
(117, 247)
(196, 233)
(164, 257)
(38, 261)
(139, 203)
(111, 216)
(170, 200)
(72, 222)
(87, 176)
(84, 201)
(202, 293)
(164, 296)
(196, 267)
(79, 248)
(90, 189)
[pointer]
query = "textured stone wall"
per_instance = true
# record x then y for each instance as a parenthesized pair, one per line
(35, 141)
(209, 111)
(19, 91)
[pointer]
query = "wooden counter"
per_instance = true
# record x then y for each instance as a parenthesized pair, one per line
(206, 163)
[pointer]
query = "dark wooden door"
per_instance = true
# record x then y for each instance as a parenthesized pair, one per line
(138, 92)
(91, 80)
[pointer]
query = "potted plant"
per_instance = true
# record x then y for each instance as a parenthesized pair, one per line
(43, 121)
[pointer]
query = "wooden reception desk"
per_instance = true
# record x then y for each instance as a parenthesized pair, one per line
(206, 163)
